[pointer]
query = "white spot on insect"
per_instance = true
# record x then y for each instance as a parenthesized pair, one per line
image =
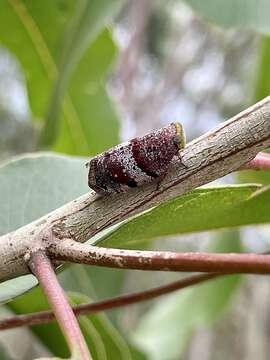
(130, 166)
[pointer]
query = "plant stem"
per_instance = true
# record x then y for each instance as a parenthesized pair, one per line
(42, 268)
(260, 162)
(71, 251)
(119, 301)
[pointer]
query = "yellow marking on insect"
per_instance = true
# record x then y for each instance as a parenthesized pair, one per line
(180, 133)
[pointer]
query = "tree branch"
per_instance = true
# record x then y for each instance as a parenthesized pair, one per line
(107, 304)
(71, 251)
(42, 268)
(211, 156)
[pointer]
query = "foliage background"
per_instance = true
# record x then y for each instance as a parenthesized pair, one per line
(77, 78)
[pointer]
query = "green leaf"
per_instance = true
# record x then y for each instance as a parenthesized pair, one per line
(262, 84)
(163, 332)
(262, 177)
(249, 14)
(88, 20)
(200, 210)
(114, 345)
(49, 48)
(74, 357)
(93, 281)
(91, 107)
(30, 187)
(15, 287)
(4, 354)
(103, 340)
(33, 185)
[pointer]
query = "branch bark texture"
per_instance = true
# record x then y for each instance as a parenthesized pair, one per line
(213, 155)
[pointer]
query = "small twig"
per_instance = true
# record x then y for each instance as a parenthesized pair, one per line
(71, 251)
(260, 162)
(42, 268)
(119, 301)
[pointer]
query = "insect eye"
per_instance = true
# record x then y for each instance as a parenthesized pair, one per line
(132, 184)
(98, 179)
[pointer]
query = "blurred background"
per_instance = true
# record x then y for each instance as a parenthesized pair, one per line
(159, 62)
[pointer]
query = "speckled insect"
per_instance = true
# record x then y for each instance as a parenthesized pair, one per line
(138, 161)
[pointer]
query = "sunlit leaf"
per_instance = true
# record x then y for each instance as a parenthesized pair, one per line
(200, 210)
(49, 49)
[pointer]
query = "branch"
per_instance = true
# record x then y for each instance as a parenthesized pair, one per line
(42, 268)
(213, 155)
(119, 301)
(71, 251)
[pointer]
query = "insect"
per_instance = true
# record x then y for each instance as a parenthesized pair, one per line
(136, 162)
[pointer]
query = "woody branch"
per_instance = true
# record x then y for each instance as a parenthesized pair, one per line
(211, 156)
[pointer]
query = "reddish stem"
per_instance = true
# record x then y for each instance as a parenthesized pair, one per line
(260, 162)
(72, 251)
(42, 268)
(119, 301)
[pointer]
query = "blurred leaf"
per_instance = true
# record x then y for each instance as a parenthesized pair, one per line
(251, 176)
(93, 281)
(104, 341)
(33, 185)
(91, 105)
(4, 354)
(114, 345)
(30, 187)
(35, 301)
(164, 331)
(249, 14)
(89, 19)
(48, 48)
(262, 85)
(12, 288)
(200, 210)
(54, 358)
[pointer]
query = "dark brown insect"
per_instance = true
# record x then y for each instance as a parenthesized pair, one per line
(138, 161)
